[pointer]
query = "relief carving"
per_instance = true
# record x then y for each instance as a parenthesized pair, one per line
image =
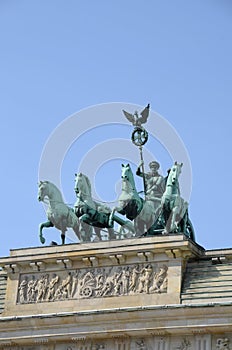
(223, 344)
(29, 347)
(140, 345)
(185, 345)
(93, 283)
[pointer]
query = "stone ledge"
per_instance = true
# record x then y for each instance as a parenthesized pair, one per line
(171, 319)
(155, 244)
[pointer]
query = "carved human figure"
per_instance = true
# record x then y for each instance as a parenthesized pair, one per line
(134, 278)
(159, 279)
(22, 290)
(164, 285)
(117, 281)
(100, 279)
(109, 285)
(154, 182)
(58, 294)
(144, 279)
(41, 287)
(125, 280)
(51, 287)
(66, 286)
(75, 284)
(31, 289)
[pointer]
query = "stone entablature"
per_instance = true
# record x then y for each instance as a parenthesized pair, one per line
(132, 272)
(170, 328)
(115, 295)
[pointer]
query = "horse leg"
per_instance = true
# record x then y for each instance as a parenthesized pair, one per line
(168, 219)
(111, 233)
(139, 227)
(190, 230)
(111, 217)
(118, 209)
(184, 216)
(41, 226)
(179, 217)
(97, 231)
(63, 237)
(76, 230)
(183, 223)
(174, 222)
(85, 231)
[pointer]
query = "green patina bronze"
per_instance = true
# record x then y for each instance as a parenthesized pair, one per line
(58, 213)
(132, 205)
(94, 214)
(162, 210)
(173, 210)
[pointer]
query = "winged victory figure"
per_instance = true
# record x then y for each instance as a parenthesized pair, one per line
(137, 120)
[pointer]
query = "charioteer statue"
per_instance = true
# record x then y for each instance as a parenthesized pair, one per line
(154, 183)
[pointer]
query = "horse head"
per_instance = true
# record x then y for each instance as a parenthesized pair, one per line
(49, 190)
(42, 191)
(175, 173)
(126, 172)
(82, 184)
(128, 177)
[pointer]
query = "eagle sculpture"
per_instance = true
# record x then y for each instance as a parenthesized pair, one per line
(137, 120)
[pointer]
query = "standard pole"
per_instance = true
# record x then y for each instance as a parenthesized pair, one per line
(142, 162)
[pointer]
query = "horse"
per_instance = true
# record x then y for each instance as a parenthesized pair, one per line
(132, 205)
(58, 213)
(174, 209)
(93, 214)
(89, 212)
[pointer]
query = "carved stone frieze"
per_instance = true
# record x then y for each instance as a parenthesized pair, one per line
(93, 282)
(122, 342)
(29, 347)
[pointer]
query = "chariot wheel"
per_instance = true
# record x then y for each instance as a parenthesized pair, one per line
(87, 292)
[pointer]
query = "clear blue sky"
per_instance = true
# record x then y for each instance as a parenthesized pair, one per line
(58, 57)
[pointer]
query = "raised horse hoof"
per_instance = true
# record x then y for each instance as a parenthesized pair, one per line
(53, 243)
(165, 233)
(42, 240)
